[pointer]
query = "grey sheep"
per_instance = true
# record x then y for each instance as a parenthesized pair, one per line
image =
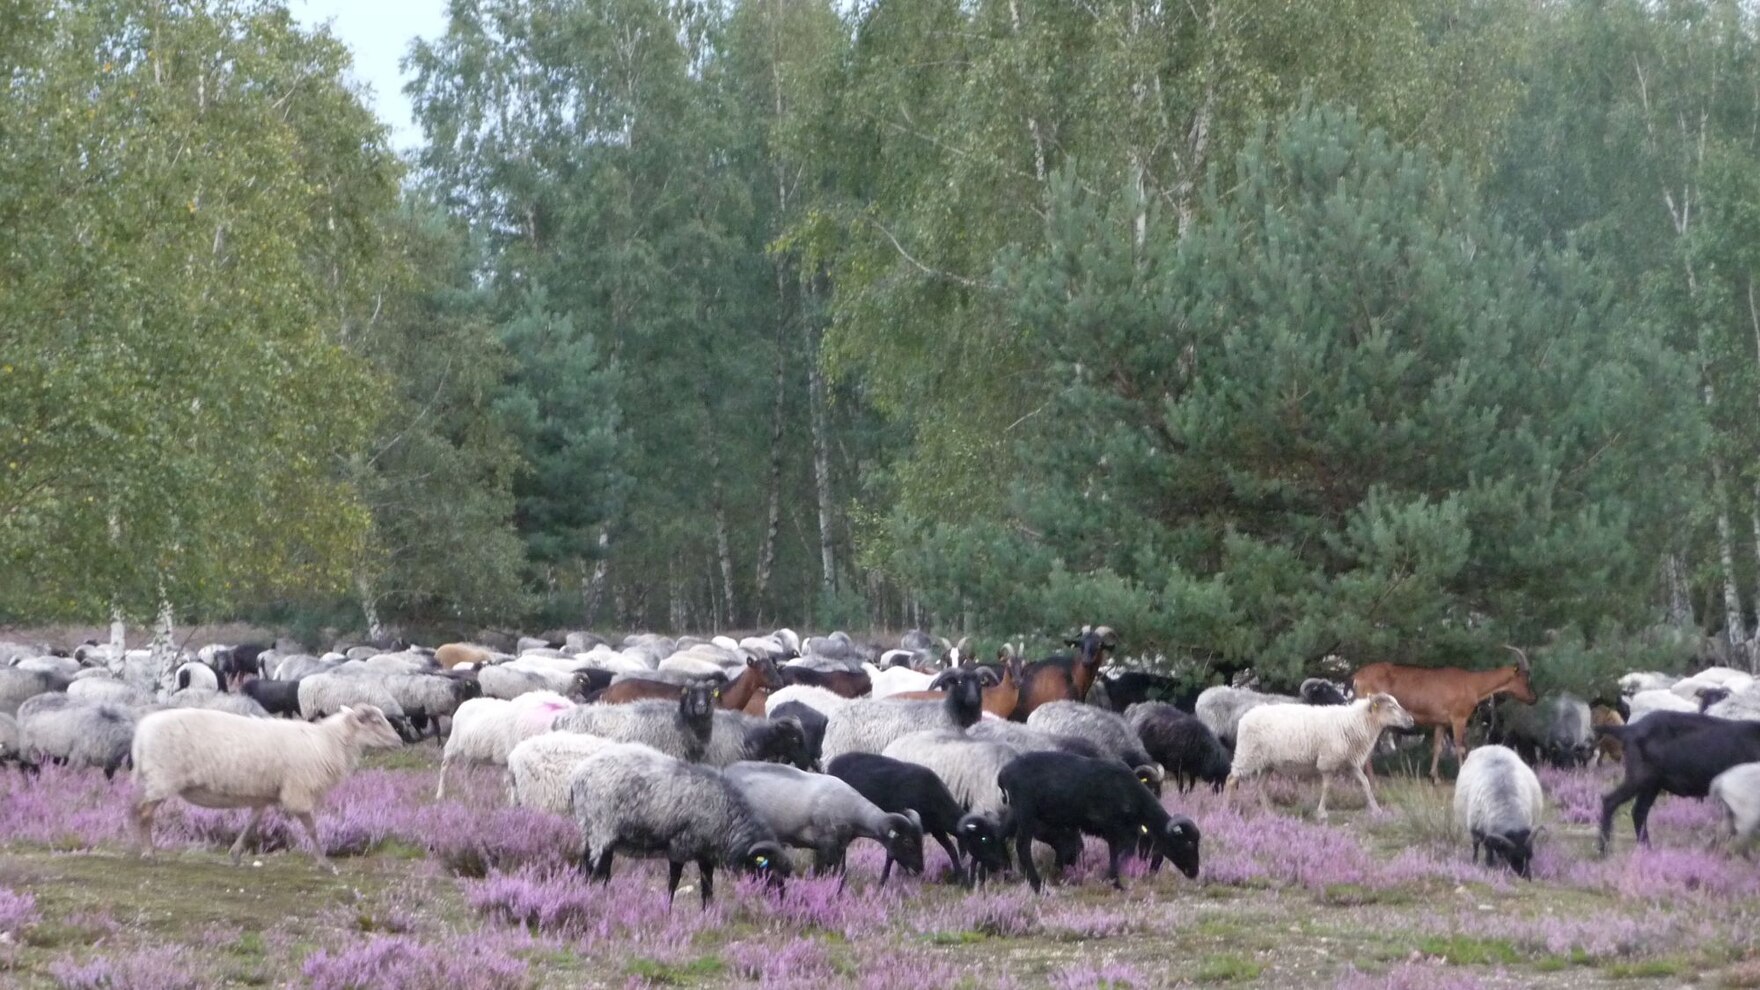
(824, 814)
(1220, 708)
(110, 690)
(869, 726)
(9, 752)
(1104, 728)
(328, 693)
(736, 736)
(196, 675)
(1026, 739)
(1498, 800)
(968, 766)
(680, 729)
(16, 685)
(78, 734)
(1184, 746)
(1556, 729)
(633, 799)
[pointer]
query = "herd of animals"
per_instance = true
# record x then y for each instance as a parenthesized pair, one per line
(727, 753)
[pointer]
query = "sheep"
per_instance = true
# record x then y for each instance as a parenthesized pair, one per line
(681, 729)
(1633, 683)
(110, 690)
(326, 694)
(633, 799)
(198, 675)
(824, 814)
(1104, 728)
(1498, 800)
(900, 786)
(78, 734)
(1327, 739)
(897, 680)
(276, 697)
(218, 760)
(736, 736)
(1220, 708)
(966, 765)
(1058, 797)
(485, 730)
(429, 697)
(867, 726)
(1557, 728)
(9, 751)
(216, 701)
(510, 680)
(1741, 705)
(539, 769)
(1026, 739)
(16, 685)
(1737, 792)
(1642, 704)
(299, 666)
(1320, 691)
(1183, 746)
(1125, 688)
(812, 723)
(1678, 753)
(818, 698)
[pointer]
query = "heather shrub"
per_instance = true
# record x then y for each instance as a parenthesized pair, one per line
(152, 968)
(395, 962)
(17, 911)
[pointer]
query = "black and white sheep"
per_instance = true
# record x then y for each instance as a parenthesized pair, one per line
(1184, 746)
(198, 676)
(1498, 800)
(1308, 739)
(736, 736)
(218, 701)
(217, 760)
(485, 730)
(899, 786)
(824, 813)
(679, 728)
(632, 799)
(1678, 753)
(1059, 797)
(76, 733)
(869, 726)
(277, 697)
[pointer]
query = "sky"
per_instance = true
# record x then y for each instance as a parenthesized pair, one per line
(379, 33)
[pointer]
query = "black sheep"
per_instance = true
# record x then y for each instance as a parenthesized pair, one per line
(1132, 687)
(896, 787)
(1058, 797)
(1184, 746)
(1676, 752)
(276, 697)
(812, 722)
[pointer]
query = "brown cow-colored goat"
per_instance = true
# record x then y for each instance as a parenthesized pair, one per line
(1444, 697)
(1066, 678)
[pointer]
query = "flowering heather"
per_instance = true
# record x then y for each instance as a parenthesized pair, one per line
(630, 911)
(1106, 976)
(155, 968)
(395, 962)
(797, 962)
(1407, 976)
(17, 911)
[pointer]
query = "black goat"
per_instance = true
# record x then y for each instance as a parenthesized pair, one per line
(1674, 752)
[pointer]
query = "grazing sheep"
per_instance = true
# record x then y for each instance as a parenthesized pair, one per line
(679, 728)
(1306, 739)
(216, 701)
(1104, 728)
(1220, 708)
(217, 760)
(983, 841)
(539, 769)
(736, 736)
(633, 799)
(485, 730)
(1183, 746)
(822, 813)
(77, 733)
(966, 765)
(1737, 791)
(868, 726)
(1058, 797)
(812, 723)
(899, 786)
(276, 697)
(1556, 728)
(1678, 753)
(1498, 800)
(16, 685)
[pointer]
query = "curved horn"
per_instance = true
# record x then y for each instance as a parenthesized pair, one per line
(942, 678)
(988, 677)
(1107, 635)
(1521, 658)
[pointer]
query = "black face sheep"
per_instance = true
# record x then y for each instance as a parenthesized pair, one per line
(1320, 691)
(485, 730)
(868, 725)
(76, 733)
(1737, 792)
(823, 813)
(812, 722)
(681, 729)
(896, 786)
(1308, 739)
(1056, 796)
(1184, 746)
(216, 760)
(1498, 800)
(1675, 752)
(635, 800)
(983, 842)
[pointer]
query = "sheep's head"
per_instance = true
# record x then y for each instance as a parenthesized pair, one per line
(903, 839)
(1515, 847)
(766, 859)
(1385, 711)
(466, 688)
(785, 741)
(696, 701)
(980, 838)
(1178, 842)
(965, 691)
(369, 728)
(1319, 691)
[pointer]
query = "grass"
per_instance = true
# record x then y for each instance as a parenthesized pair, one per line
(1228, 969)
(705, 968)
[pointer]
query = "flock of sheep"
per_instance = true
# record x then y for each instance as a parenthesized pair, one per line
(728, 753)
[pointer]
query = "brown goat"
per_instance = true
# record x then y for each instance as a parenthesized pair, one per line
(453, 654)
(760, 673)
(1444, 697)
(1607, 746)
(1066, 678)
(1000, 698)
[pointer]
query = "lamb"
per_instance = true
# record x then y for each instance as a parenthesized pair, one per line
(1058, 797)
(1220, 708)
(966, 765)
(681, 729)
(485, 730)
(539, 769)
(1106, 729)
(76, 733)
(16, 685)
(1675, 752)
(217, 760)
(1737, 791)
(868, 726)
(897, 786)
(1183, 746)
(1306, 738)
(824, 814)
(1498, 800)
(633, 799)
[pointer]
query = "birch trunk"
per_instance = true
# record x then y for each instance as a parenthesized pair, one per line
(369, 608)
(821, 458)
(723, 552)
(773, 510)
(593, 588)
(163, 650)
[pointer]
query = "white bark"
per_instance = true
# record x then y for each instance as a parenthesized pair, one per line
(163, 649)
(369, 608)
(821, 459)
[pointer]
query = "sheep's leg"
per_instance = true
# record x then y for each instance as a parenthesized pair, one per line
(886, 870)
(143, 826)
(311, 824)
(1641, 815)
(602, 869)
(1436, 757)
(1023, 851)
(586, 861)
(675, 873)
(440, 792)
(1114, 852)
(237, 851)
(706, 872)
(1325, 788)
(1368, 792)
(947, 844)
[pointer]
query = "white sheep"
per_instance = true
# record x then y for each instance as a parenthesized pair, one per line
(1637, 681)
(1645, 702)
(1737, 791)
(1307, 739)
(485, 730)
(216, 760)
(1498, 800)
(817, 698)
(539, 768)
